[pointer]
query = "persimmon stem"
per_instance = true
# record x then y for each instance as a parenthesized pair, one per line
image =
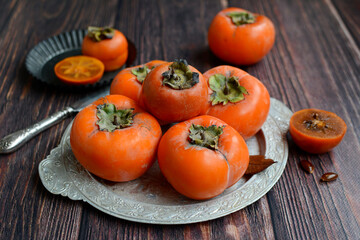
(141, 73)
(205, 136)
(179, 76)
(111, 118)
(240, 18)
(226, 89)
(98, 34)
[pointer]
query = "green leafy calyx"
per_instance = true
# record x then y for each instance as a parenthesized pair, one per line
(141, 73)
(111, 118)
(179, 76)
(240, 18)
(98, 34)
(226, 89)
(205, 136)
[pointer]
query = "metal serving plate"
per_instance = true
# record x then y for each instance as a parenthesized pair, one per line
(150, 199)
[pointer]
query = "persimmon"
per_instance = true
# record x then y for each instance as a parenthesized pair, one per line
(128, 81)
(79, 70)
(115, 139)
(203, 156)
(240, 37)
(106, 44)
(238, 99)
(174, 92)
(316, 131)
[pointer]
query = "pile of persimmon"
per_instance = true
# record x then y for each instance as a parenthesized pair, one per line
(176, 91)
(118, 137)
(103, 49)
(202, 154)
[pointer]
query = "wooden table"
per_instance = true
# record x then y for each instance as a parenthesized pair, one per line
(315, 62)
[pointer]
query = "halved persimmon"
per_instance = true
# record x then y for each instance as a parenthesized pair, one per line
(79, 70)
(316, 131)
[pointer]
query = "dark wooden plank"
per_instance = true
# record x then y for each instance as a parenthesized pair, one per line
(306, 74)
(28, 211)
(347, 13)
(314, 63)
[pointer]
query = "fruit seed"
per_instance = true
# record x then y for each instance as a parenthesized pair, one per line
(307, 166)
(327, 177)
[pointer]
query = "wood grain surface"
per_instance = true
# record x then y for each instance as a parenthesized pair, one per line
(315, 62)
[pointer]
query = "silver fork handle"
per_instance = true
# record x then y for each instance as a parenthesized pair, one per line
(15, 140)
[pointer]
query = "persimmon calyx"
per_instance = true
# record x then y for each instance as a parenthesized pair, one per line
(226, 89)
(240, 18)
(316, 123)
(205, 136)
(179, 76)
(111, 118)
(98, 34)
(141, 73)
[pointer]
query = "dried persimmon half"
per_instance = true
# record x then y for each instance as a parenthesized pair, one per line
(79, 70)
(316, 131)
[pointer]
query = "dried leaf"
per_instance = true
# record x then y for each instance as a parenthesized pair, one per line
(258, 163)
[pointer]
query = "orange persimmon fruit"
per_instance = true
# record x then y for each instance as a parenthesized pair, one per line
(106, 44)
(316, 131)
(128, 82)
(237, 36)
(238, 99)
(202, 156)
(174, 91)
(115, 139)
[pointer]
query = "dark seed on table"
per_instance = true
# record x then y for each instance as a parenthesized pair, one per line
(327, 177)
(307, 166)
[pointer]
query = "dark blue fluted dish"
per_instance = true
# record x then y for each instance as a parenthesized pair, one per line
(41, 59)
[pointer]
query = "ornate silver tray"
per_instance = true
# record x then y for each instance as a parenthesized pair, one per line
(150, 199)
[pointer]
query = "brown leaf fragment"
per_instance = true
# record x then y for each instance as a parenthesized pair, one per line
(258, 163)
